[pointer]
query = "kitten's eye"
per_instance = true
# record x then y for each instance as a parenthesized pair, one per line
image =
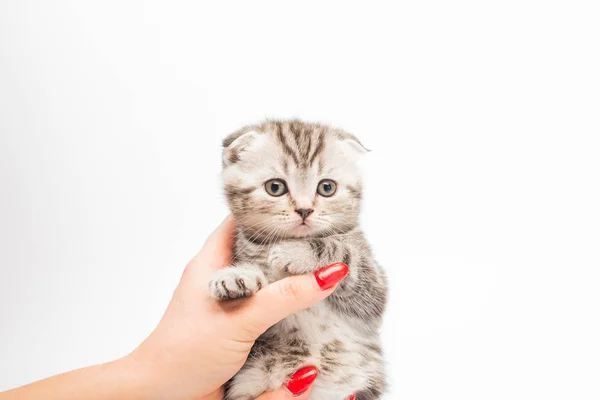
(326, 188)
(276, 187)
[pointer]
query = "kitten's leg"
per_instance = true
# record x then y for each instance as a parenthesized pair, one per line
(362, 293)
(242, 280)
(272, 361)
(373, 392)
(296, 257)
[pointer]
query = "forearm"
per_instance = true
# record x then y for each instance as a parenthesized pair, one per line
(363, 293)
(121, 379)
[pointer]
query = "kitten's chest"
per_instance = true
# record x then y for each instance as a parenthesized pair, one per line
(320, 325)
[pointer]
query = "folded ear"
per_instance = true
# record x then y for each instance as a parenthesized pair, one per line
(352, 144)
(236, 144)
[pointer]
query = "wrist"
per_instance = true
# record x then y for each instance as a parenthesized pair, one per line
(137, 379)
(152, 377)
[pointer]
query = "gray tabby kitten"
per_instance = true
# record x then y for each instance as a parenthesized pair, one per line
(295, 190)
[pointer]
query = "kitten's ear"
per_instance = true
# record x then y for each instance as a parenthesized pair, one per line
(236, 144)
(352, 144)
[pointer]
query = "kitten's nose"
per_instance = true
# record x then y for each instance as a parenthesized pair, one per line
(304, 212)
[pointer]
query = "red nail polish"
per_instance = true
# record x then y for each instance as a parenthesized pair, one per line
(352, 396)
(301, 380)
(330, 275)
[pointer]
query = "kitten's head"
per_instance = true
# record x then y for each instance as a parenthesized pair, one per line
(292, 179)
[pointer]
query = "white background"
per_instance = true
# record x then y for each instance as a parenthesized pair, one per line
(483, 187)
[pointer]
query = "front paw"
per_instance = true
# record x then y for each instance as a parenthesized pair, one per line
(293, 257)
(234, 283)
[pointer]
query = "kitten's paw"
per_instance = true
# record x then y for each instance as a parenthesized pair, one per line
(292, 257)
(234, 283)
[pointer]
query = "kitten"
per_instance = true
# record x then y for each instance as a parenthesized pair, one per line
(295, 191)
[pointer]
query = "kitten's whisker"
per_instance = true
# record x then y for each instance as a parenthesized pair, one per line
(249, 242)
(269, 237)
(280, 229)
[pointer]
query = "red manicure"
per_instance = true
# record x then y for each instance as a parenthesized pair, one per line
(301, 380)
(352, 397)
(329, 276)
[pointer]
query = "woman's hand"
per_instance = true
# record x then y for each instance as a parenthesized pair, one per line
(200, 343)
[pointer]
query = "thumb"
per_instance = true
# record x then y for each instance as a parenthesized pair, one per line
(289, 295)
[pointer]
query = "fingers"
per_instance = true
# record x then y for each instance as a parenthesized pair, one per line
(287, 296)
(297, 388)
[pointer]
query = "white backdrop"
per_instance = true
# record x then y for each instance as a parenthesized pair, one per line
(483, 185)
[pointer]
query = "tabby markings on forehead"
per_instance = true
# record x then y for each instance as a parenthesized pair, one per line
(319, 148)
(302, 137)
(286, 147)
(308, 147)
(303, 141)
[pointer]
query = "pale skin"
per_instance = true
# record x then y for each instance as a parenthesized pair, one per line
(198, 344)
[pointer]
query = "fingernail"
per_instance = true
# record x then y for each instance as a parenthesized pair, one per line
(352, 397)
(301, 380)
(329, 276)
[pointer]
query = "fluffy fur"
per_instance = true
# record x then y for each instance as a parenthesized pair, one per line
(340, 335)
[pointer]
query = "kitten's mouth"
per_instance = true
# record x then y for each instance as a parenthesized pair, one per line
(302, 228)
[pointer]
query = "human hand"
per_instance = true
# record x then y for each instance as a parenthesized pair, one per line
(200, 343)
